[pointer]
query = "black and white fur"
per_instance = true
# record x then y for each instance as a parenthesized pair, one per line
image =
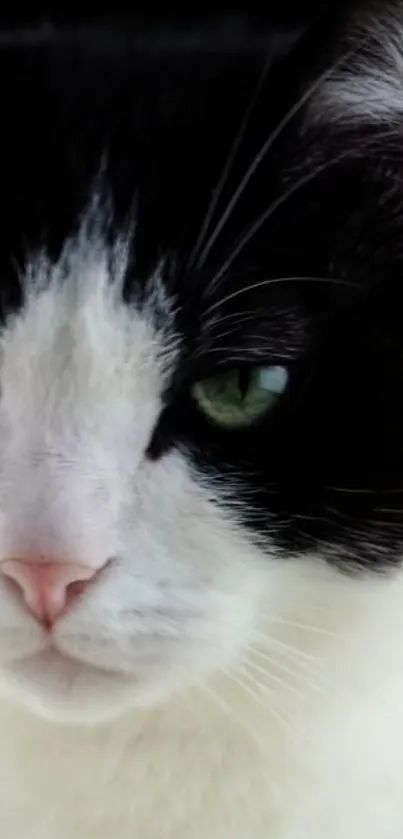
(173, 205)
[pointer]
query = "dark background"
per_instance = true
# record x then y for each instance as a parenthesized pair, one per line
(146, 14)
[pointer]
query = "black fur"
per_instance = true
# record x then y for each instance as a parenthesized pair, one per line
(154, 116)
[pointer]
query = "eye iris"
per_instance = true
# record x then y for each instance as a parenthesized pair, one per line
(239, 398)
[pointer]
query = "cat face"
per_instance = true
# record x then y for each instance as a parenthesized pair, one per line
(84, 383)
(199, 355)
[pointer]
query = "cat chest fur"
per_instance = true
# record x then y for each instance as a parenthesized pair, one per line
(168, 778)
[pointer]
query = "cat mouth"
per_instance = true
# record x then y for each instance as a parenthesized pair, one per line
(60, 684)
(54, 659)
(56, 686)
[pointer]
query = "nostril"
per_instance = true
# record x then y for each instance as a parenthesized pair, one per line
(12, 585)
(47, 588)
(77, 588)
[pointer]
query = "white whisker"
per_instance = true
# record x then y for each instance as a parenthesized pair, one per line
(246, 315)
(228, 711)
(274, 678)
(266, 283)
(262, 284)
(295, 661)
(289, 730)
(365, 490)
(287, 648)
(226, 170)
(301, 677)
(275, 790)
(319, 630)
(279, 202)
(267, 145)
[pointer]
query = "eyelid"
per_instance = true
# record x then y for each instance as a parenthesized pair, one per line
(207, 370)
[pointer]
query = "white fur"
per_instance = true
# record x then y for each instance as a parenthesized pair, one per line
(367, 84)
(207, 689)
(231, 759)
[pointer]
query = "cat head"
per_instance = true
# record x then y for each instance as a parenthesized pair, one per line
(199, 355)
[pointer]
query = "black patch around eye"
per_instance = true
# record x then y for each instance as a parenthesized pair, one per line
(182, 423)
(323, 472)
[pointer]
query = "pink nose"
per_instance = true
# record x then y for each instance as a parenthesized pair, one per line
(47, 588)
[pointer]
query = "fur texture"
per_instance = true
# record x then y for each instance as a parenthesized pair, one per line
(173, 207)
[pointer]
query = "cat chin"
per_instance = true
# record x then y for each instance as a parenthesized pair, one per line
(60, 689)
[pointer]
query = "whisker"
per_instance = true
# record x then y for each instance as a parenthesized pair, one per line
(389, 511)
(257, 354)
(269, 707)
(258, 349)
(294, 660)
(269, 282)
(304, 627)
(246, 315)
(248, 689)
(238, 316)
(370, 519)
(286, 648)
(231, 331)
(227, 169)
(229, 712)
(280, 201)
(273, 677)
(364, 491)
(271, 140)
(312, 667)
(300, 676)
(275, 790)
(302, 680)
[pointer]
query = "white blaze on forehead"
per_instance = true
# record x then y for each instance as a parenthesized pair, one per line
(81, 377)
(75, 336)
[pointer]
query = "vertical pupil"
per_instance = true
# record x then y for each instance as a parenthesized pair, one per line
(243, 381)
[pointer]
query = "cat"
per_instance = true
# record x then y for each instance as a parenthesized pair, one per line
(201, 456)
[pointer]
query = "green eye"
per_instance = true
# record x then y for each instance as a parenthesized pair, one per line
(238, 398)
